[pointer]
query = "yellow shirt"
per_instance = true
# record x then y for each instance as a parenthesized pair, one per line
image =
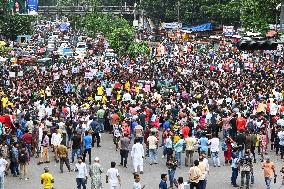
(10, 104)
(176, 138)
(104, 99)
(41, 93)
(100, 90)
(46, 179)
(127, 86)
(118, 95)
(137, 88)
(4, 102)
(86, 105)
(89, 98)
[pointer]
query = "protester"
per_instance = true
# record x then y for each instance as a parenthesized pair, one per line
(137, 155)
(113, 177)
(47, 179)
(24, 159)
(194, 175)
(81, 176)
(246, 168)
(269, 169)
(95, 173)
(3, 169)
(187, 94)
(124, 150)
(62, 153)
(163, 183)
(137, 184)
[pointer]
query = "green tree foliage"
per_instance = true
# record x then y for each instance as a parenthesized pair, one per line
(120, 39)
(118, 31)
(258, 14)
(13, 25)
(4, 51)
(138, 48)
(193, 11)
(254, 14)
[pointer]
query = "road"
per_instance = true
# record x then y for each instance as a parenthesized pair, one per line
(219, 177)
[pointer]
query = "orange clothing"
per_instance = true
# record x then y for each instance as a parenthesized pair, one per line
(268, 169)
(115, 118)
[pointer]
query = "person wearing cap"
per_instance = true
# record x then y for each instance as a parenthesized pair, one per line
(268, 170)
(163, 183)
(95, 173)
(47, 179)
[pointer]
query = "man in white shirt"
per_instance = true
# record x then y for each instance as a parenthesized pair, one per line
(280, 121)
(273, 108)
(126, 97)
(56, 139)
(214, 147)
(113, 177)
(4, 165)
(82, 174)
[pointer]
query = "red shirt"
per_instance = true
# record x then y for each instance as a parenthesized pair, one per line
(241, 123)
(185, 131)
(27, 137)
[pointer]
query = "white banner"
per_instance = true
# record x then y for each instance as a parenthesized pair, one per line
(172, 25)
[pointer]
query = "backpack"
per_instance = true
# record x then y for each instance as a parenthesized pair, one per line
(213, 119)
(23, 157)
(250, 125)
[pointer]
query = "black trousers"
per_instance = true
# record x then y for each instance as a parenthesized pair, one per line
(194, 185)
(98, 139)
(89, 151)
(123, 157)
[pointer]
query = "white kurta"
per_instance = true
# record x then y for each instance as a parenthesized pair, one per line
(137, 154)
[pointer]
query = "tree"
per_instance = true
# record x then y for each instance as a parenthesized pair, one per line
(4, 51)
(257, 15)
(13, 25)
(117, 31)
(120, 39)
(138, 48)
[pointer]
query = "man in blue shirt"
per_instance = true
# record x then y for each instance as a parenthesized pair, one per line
(87, 146)
(163, 183)
(96, 131)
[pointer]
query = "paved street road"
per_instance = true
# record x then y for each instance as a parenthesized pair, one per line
(219, 178)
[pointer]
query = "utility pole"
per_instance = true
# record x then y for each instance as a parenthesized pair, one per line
(178, 10)
(282, 16)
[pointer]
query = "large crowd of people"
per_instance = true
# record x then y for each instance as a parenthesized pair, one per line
(189, 98)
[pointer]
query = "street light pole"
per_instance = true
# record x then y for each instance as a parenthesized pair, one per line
(178, 10)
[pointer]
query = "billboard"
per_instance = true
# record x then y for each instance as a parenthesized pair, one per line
(32, 7)
(23, 6)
